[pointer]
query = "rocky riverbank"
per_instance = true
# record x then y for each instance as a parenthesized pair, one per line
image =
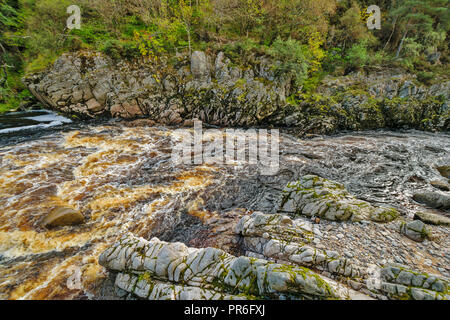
(291, 258)
(212, 88)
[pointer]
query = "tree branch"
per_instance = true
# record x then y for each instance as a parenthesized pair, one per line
(4, 66)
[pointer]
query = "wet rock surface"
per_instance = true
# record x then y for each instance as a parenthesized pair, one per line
(121, 178)
(61, 216)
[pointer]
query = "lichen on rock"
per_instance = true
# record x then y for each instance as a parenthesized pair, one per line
(313, 196)
(218, 91)
(161, 270)
(402, 283)
(279, 238)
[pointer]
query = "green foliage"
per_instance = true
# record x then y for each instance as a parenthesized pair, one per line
(424, 20)
(324, 36)
(353, 25)
(425, 77)
(117, 49)
(291, 59)
(11, 90)
(358, 55)
(333, 60)
(238, 49)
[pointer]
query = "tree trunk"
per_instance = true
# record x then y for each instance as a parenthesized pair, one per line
(392, 33)
(189, 40)
(400, 46)
(3, 65)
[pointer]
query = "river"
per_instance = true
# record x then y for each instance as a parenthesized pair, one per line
(120, 176)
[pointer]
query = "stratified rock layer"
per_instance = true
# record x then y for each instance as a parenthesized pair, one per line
(280, 238)
(402, 283)
(282, 257)
(317, 197)
(159, 270)
(215, 90)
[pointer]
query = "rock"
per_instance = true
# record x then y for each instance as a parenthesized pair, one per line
(433, 58)
(287, 243)
(444, 171)
(91, 84)
(442, 185)
(433, 199)
(199, 65)
(93, 105)
(415, 230)
(62, 216)
(160, 270)
(432, 218)
(317, 197)
(400, 282)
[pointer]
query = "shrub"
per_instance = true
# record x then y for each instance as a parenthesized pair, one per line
(357, 55)
(292, 59)
(117, 49)
(425, 77)
(333, 59)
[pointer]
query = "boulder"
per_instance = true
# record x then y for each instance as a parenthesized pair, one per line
(433, 199)
(160, 270)
(63, 216)
(317, 197)
(415, 230)
(431, 218)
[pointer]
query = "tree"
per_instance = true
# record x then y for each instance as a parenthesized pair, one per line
(188, 12)
(298, 19)
(8, 23)
(352, 27)
(238, 15)
(420, 17)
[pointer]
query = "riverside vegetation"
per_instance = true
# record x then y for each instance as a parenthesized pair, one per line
(303, 40)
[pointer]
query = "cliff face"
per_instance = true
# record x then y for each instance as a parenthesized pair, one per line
(214, 90)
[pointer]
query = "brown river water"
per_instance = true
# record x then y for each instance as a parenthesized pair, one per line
(121, 178)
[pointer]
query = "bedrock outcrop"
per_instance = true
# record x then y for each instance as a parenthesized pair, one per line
(218, 91)
(159, 270)
(317, 197)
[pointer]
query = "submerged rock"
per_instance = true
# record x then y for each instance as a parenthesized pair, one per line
(62, 216)
(317, 197)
